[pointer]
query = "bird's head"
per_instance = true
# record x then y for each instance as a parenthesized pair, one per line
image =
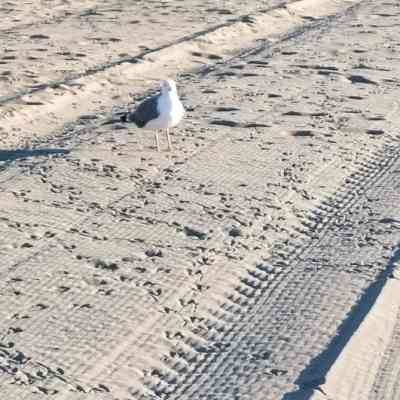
(168, 86)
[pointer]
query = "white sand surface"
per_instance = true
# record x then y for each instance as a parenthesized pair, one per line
(253, 261)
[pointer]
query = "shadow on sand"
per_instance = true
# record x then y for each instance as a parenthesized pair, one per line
(314, 374)
(7, 156)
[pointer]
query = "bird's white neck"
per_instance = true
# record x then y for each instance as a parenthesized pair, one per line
(172, 94)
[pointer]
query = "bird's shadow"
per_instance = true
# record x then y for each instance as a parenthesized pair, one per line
(7, 156)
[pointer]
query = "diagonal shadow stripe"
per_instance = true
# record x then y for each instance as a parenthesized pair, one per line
(11, 155)
(314, 374)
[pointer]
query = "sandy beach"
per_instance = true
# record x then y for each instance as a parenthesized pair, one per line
(258, 259)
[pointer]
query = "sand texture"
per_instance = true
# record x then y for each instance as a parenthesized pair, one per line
(255, 261)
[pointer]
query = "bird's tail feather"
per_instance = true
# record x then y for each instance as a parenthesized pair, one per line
(128, 117)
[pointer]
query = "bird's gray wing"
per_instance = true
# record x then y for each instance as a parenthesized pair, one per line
(146, 111)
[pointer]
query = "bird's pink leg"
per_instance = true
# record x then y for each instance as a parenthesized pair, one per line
(169, 141)
(157, 141)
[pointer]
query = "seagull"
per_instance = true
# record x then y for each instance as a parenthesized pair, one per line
(162, 111)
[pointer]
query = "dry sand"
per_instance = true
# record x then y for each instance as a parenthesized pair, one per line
(49, 45)
(243, 265)
(30, 111)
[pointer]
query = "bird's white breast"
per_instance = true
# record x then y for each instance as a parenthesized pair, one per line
(170, 110)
